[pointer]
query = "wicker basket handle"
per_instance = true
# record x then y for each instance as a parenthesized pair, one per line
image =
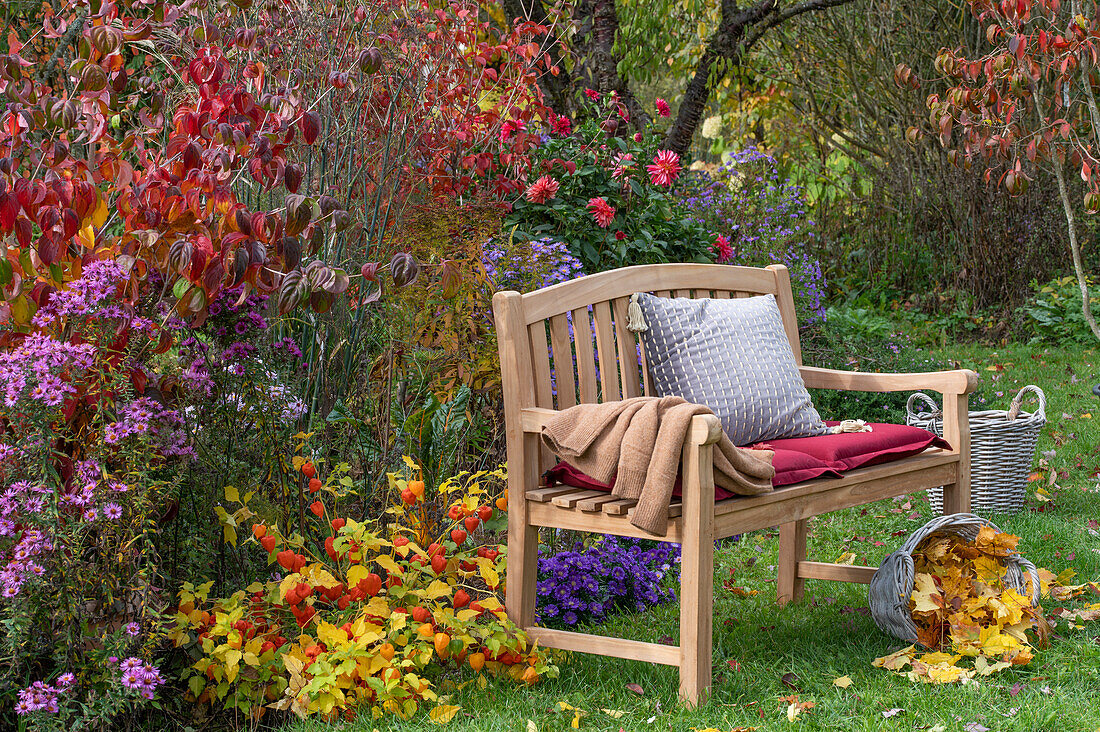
(1039, 414)
(911, 406)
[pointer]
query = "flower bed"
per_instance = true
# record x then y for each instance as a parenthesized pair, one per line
(589, 584)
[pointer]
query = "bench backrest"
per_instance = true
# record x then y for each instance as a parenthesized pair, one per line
(569, 342)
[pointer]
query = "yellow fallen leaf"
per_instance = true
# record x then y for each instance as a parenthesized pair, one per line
(613, 713)
(444, 713)
(843, 682)
(793, 710)
(926, 597)
(531, 726)
(985, 668)
(895, 660)
(848, 558)
(933, 659)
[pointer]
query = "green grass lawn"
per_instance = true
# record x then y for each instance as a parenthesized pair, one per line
(830, 634)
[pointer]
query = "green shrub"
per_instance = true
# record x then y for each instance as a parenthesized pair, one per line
(856, 339)
(1054, 312)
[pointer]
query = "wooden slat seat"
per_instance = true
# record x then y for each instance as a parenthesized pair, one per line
(603, 363)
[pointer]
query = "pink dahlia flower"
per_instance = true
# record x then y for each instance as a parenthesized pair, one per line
(665, 168)
(542, 190)
(623, 162)
(723, 252)
(662, 108)
(602, 211)
(561, 125)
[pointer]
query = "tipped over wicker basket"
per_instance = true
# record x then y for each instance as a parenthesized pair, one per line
(892, 583)
(1002, 445)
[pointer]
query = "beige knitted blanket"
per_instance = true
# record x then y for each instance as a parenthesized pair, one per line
(638, 442)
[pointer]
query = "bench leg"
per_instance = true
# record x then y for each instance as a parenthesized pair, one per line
(697, 576)
(792, 550)
(523, 541)
(956, 497)
(956, 430)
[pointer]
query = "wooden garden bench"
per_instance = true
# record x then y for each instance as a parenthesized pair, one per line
(548, 362)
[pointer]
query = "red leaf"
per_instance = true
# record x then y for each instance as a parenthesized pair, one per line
(310, 124)
(9, 207)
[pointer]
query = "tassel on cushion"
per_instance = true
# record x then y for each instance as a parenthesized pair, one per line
(635, 319)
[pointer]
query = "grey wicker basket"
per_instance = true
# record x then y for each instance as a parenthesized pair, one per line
(893, 581)
(1002, 446)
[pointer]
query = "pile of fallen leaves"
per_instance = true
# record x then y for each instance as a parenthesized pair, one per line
(973, 623)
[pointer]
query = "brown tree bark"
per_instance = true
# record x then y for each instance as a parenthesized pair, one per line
(594, 51)
(738, 30)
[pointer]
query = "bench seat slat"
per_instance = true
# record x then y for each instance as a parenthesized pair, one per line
(595, 504)
(570, 500)
(618, 507)
(545, 493)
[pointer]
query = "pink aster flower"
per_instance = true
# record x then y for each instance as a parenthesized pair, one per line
(112, 511)
(662, 108)
(542, 190)
(665, 168)
(602, 211)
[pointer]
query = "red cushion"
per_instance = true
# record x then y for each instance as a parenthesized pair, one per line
(790, 467)
(850, 450)
(804, 458)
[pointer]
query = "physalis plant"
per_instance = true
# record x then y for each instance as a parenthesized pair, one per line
(963, 609)
(372, 616)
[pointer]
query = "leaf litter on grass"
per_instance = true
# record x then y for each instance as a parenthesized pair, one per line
(963, 609)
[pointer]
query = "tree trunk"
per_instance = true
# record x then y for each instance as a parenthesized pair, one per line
(738, 30)
(1075, 249)
(594, 51)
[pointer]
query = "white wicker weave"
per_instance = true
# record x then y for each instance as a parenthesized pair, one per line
(1002, 446)
(892, 582)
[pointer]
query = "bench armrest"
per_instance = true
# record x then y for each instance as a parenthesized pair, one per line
(706, 429)
(958, 381)
(532, 419)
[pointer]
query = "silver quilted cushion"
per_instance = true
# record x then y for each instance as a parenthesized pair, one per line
(734, 357)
